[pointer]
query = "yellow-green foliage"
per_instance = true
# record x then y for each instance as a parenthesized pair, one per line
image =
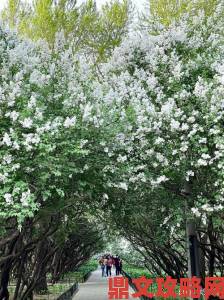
(166, 11)
(11, 13)
(98, 31)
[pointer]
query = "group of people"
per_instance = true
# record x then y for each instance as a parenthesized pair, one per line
(107, 262)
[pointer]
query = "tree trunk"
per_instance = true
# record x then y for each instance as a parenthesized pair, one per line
(19, 277)
(212, 248)
(6, 269)
(4, 293)
(41, 286)
(191, 237)
(193, 263)
(202, 261)
(27, 296)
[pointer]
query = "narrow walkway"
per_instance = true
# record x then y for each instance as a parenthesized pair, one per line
(96, 288)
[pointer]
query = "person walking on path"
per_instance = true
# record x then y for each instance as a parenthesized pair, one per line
(109, 265)
(113, 262)
(117, 264)
(120, 266)
(105, 262)
(102, 265)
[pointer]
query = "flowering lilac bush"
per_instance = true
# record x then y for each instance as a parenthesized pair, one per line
(164, 99)
(140, 142)
(167, 92)
(50, 131)
(47, 115)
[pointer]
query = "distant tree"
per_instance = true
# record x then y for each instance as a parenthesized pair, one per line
(167, 11)
(95, 31)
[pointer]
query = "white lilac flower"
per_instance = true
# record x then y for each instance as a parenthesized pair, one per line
(25, 198)
(177, 71)
(207, 207)
(165, 220)
(162, 178)
(32, 103)
(27, 123)
(30, 140)
(175, 125)
(218, 207)
(184, 127)
(191, 119)
(192, 132)
(69, 122)
(195, 211)
(11, 100)
(159, 141)
(184, 148)
(38, 114)
(160, 157)
(122, 158)
(7, 159)
(123, 186)
(12, 115)
(87, 112)
(16, 145)
(200, 89)
(83, 143)
(174, 152)
(203, 141)
(152, 82)
(202, 162)
(38, 78)
(6, 139)
(205, 156)
(86, 167)
(15, 167)
(105, 196)
(3, 177)
(179, 35)
(221, 79)
(8, 198)
(189, 174)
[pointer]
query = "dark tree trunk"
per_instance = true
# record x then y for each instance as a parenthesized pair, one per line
(212, 248)
(6, 269)
(4, 293)
(41, 286)
(27, 296)
(202, 261)
(19, 277)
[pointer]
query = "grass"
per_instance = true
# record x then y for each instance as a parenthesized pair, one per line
(136, 272)
(79, 275)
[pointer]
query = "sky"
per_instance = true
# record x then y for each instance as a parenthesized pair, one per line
(137, 3)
